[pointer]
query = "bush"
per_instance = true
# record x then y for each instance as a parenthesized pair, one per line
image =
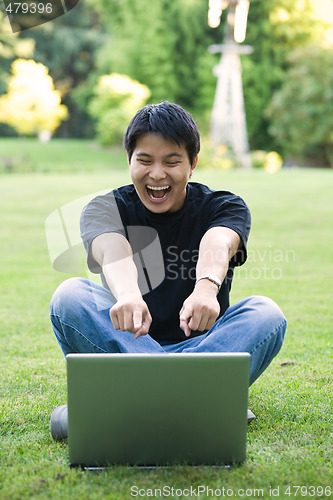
(271, 162)
(32, 105)
(301, 111)
(117, 98)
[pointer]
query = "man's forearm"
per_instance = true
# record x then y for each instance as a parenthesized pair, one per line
(216, 249)
(213, 261)
(201, 308)
(114, 254)
(122, 277)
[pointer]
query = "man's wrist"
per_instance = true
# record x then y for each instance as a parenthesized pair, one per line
(126, 295)
(210, 278)
(125, 290)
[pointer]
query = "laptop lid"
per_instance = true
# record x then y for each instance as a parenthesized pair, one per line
(157, 409)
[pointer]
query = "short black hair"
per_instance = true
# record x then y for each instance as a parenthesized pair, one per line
(169, 120)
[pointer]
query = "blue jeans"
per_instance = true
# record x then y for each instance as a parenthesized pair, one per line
(80, 319)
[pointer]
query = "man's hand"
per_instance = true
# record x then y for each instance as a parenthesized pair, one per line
(201, 309)
(131, 314)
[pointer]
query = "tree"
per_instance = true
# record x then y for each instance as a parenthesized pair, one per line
(116, 99)
(165, 44)
(301, 111)
(11, 47)
(275, 28)
(67, 46)
(162, 44)
(31, 104)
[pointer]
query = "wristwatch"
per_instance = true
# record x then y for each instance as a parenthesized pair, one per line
(211, 277)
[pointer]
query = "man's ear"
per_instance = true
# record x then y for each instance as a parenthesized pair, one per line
(194, 164)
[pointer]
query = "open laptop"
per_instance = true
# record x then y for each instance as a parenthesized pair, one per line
(157, 409)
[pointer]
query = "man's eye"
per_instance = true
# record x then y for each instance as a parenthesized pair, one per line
(173, 163)
(144, 162)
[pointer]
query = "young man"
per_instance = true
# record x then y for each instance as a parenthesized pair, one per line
(166, 249)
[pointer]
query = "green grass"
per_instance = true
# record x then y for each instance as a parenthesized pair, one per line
(27, 155)
(290, 260)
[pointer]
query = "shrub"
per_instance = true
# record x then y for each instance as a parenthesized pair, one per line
(31, 105)
(271, 162)
(301, 111)
(116, 99)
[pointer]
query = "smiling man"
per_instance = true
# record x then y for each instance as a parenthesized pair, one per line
(166, 249)
(160, 170)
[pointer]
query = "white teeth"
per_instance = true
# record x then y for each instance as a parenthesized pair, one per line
(157, 188)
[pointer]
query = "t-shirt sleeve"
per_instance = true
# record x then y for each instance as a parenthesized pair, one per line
(99, 216)
(231, 211)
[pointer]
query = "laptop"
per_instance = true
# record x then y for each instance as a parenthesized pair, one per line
(157, 409)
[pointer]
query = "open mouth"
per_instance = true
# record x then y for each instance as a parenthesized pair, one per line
(158, 192)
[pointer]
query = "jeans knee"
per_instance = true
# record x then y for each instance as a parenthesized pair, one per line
(271, 314)
(66, 295)
(266, 306)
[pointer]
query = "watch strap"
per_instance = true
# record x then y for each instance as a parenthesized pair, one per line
(211, 277)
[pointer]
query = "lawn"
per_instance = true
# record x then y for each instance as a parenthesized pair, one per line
(27, 155)
(290, 260)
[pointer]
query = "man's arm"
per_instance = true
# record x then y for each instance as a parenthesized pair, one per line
(201, 309)
(114, 254)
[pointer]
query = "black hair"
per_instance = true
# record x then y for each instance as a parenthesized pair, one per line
(169, 120)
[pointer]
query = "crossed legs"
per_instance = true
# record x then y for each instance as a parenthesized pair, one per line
(80, 319)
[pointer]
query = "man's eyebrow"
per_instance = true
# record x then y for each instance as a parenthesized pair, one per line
(140, 153)
(174, 154)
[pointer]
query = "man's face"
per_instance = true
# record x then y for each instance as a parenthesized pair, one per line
(160, 171)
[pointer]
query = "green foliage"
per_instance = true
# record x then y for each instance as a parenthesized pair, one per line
(271, 162)
(116, 99)
(301, 111)
(275, 28)
(165, 44)
(162, 44)
(31, 105)
(11, 47)
(68, 46)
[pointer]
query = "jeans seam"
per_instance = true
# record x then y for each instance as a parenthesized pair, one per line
(283, 322)
(78, 332)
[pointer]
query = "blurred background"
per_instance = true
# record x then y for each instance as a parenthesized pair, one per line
(77, 80)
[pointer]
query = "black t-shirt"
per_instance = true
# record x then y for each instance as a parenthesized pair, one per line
(166, 246)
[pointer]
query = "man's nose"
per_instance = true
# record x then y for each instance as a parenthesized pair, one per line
(157, 172)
